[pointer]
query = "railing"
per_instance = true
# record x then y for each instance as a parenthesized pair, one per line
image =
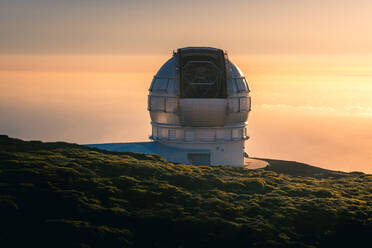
(193, 135)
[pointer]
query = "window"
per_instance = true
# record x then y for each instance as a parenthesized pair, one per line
(172, 134)
(176, 134)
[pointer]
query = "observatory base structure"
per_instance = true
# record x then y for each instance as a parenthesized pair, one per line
(196, 154)
(199, 104)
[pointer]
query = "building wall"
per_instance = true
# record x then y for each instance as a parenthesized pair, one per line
(221, 153)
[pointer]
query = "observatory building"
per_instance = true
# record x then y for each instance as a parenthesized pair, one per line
(199, 104)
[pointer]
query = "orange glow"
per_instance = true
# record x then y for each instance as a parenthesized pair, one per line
(312, 108)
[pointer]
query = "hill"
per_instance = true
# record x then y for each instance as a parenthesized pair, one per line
(66, 195)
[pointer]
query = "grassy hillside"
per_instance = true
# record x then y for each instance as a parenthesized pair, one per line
(66, 195)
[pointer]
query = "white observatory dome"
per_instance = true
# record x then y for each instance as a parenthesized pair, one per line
(199, 104)
(200, 101)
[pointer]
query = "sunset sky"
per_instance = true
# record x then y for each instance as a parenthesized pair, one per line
(79, 70)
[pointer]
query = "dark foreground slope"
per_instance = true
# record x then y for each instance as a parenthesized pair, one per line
(65, 195)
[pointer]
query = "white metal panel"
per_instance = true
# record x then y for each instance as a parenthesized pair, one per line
(203, 112)
(233, 105)
(237, 133)
(205, 135)
(173, 86)
(223, 134)
(231, 87)
(157, 103)
(163, 133)
(189, 135)
(180, 134)
(168, 69)
(243, 106)
(171, 104)
(161, 84)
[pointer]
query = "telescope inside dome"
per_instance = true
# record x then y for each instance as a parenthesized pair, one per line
(202, 72)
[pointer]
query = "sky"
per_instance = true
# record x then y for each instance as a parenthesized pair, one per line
(154, 27)
(79, 70)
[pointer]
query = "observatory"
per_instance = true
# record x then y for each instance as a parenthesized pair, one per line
(199, 104)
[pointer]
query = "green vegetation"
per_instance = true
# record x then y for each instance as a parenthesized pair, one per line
(66, 195)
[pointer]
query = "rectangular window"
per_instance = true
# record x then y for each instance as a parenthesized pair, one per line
(172, 134)
(233, 105)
